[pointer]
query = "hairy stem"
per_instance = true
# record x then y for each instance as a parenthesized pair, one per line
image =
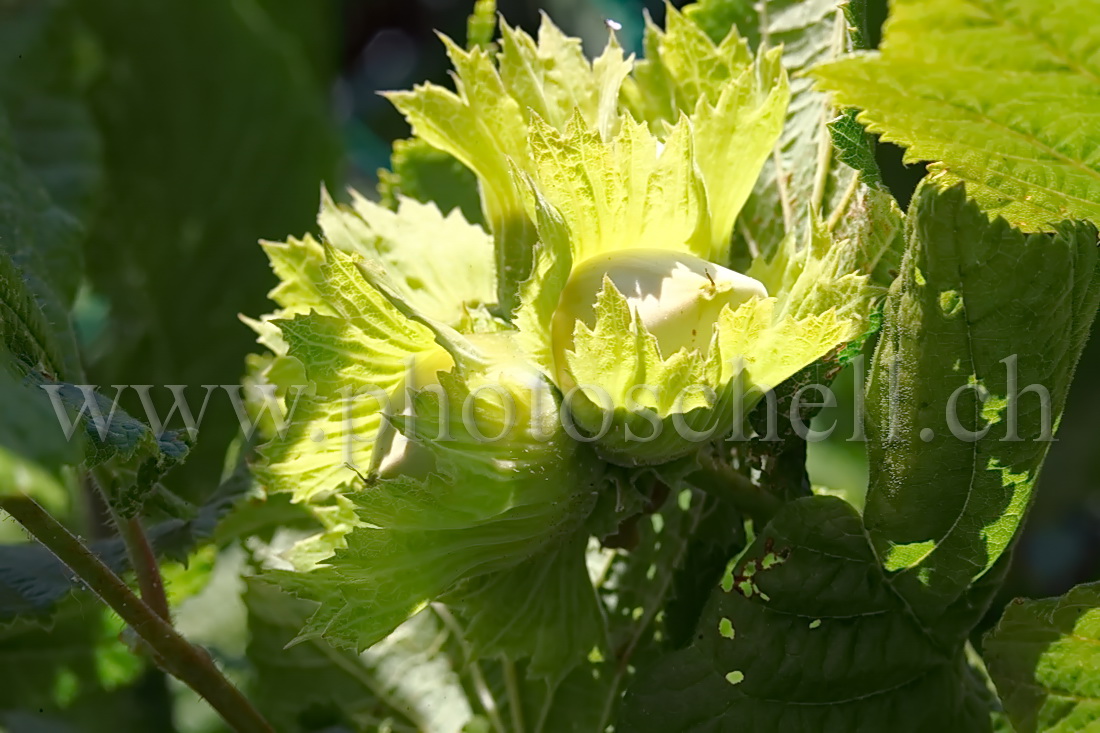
(146, 569)
(142, 557)
(174, 654)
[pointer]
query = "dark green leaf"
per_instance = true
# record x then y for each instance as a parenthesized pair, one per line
(215, 135)
(716, 17)
(943, 504)
(404, 681)
(41, 74)
(807, 634)
(544, 609)
(40, 266)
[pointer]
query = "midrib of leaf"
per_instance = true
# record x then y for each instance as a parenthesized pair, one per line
(824, 139)
(794, 193)
(1031, 32)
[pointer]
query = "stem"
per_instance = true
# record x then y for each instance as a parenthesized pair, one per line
(146, 569)
(732, 485)
(142, 557)
(173, 653)
(513, 695)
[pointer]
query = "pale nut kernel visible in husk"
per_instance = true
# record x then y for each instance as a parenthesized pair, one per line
(677, 296)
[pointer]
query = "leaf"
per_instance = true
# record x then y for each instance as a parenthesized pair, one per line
(802, 178)
(429, 175)
(40, 263)
(737, 109)
(238, 138)
(855, 149)
(80, 655)
(998, 95)
(484, 123)
(135, 457)
(407, 681)
(32, 449)
(355, 353)
(443, 283)
(717, 17)
(481, 506)
(33, 581)
(976, 302)
(482, 23)
(806, 633)
(544, 608)
(40, 88)
(1043, 657)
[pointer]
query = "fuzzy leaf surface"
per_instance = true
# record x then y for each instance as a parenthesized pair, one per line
(1003, 96)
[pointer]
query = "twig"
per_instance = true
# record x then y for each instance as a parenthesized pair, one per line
(143, 559)
(173, 653)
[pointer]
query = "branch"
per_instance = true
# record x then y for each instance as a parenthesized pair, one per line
(173, 653)
(142, 558)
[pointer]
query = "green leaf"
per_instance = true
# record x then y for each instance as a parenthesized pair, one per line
(544, 608)
(484, 123)
(443, 283)
(482, 23)
(428, 174)
(737, 109)
(855, 149)
(239, 139)
(33, 449)
(802, 179)
(407, 681)
(80, 655)
(805, 633)
(43, 67)
(625, 193)
(1043, 656)
(40, 264)
(351, 342)
(33, 581)
(481, 505)
(135, 457)
(998, 94)
(944, 504)
(717, 17)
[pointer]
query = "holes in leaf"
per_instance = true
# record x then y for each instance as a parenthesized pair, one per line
(725, 628)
